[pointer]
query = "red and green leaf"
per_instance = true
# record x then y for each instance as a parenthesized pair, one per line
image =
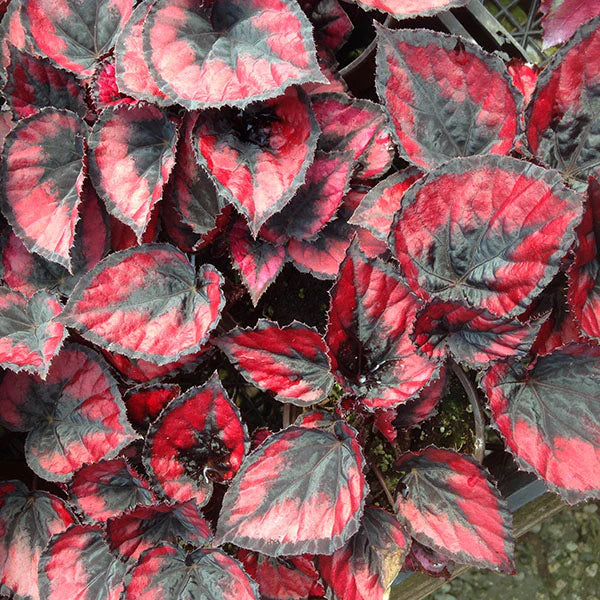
(77, 564)
(257, 261)
(407, 9)
(228, 52)
(450, 504)
(33, 83)
(147, 302)
(370, 315)
(75, 33)
(27, 521)
(331, 22)
(291, 362)
(75, 417)
(103, 88)
(488, 232)
(259, 156)
(142, 528)
(30, 336)
(132, 153)
(42, 179)
(108, 488)
(281, 578)
(197, 439)
(562, 18)
(200, 574)
(548, 413)
(367, 565)
(301, 491)
(562, 120)
(445, 97)
(145, 402)
(355, 126)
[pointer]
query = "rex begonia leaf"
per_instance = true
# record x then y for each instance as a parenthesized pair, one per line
(356, 126)
(281, 578)
(562, 18)
(258, 156)
(42, 180)
(258, 262)
(107, 488)
(584, 274)
(29, 334)
(315, 203)
(301, 491)
(27, 273)
(446, 97)
(407, 9)
(137, 530)
(474, 337)
(289, 361)
(145, 402)
(75, 33)
(197, 439)
(228, 52)
(486, 231)
(331, 22)
(146, 302)
(77, 564)
(75, 416)
(166, 571)
(548, 413)
(449, 503)
(322, 257)
(367, 565)
(370, 315)
(27, 521)
(103, 89)
(563, 122)
(132, 153)
(524, 77)
(377, 209)
(12, 34)
(33, 83)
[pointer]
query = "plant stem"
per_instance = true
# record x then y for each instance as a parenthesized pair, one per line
(287, 415)
(477, 414)
(383, 484)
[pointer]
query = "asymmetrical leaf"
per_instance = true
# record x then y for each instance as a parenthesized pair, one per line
(292, 578)
(257, 261)
(407, 9)
(563, 117)
(27, 273)
(450, 504)
(370, 315)
(314, 204)
(29, 334)
(445, 97)
(367, 565)
(290, 361)
(228, 52)
(197, 439)
(355, 126)
(132, 153)
(487, 232)
(33, 83)
(548, 413)
(77, 564)
(259, 156)
(108, 488)
(584, 273)
(377, 209)
(42, 179)
(27, 521)
(144, 527)
(145, 402)
(103, 87)
(301, 491)
(474, 337)
(167, 571)
(75, 33)
(562, 18)
(146, 302)
(75, 417)
(331, 22)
